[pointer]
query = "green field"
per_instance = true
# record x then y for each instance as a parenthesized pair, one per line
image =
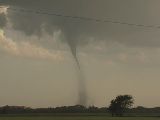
(79, 118)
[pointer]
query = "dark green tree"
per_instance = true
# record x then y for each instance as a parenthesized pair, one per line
(120, 104)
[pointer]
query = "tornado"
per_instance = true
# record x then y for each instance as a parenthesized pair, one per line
(82, 93)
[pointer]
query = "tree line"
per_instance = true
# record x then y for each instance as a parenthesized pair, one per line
(118, 106)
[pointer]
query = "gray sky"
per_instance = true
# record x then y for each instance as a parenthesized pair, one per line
(38, 69)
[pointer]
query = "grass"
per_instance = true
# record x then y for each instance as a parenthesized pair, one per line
(78, 118)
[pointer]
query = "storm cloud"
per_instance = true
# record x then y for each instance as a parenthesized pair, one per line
(76, 32)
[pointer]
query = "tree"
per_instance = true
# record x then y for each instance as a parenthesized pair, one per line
(120, 104)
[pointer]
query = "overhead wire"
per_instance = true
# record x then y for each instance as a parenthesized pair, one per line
(81, 18)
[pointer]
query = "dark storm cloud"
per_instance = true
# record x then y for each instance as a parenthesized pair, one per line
(76, 31)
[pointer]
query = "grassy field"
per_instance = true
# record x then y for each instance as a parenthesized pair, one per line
(79, 118)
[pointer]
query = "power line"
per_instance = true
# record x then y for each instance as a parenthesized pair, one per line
(81, 18)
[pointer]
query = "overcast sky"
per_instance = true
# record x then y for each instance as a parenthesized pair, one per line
(39, 70)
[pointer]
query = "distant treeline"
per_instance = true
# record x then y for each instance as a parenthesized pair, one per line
(64, 109)
(73, 109)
